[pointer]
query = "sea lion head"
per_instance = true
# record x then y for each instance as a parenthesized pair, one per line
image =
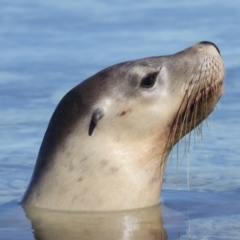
(107, 142)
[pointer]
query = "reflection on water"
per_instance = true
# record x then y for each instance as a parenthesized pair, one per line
(144, 224)
(195, 215)
(48, 47)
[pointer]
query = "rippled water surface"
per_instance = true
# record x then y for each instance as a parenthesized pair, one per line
(48, 47)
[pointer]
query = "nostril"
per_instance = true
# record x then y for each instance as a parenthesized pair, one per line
(210, 43)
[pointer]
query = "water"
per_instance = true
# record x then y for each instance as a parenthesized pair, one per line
(48, 47)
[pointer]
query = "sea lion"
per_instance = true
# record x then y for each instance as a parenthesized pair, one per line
(107, 143)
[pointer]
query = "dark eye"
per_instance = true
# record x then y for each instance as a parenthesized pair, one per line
(148, 81)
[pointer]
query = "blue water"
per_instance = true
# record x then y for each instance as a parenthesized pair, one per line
(48, 47)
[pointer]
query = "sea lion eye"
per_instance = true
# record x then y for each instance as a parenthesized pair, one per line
(149, 80)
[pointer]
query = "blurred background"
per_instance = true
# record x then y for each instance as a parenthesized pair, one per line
(47, 47)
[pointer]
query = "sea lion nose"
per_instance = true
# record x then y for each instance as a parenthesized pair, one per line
(210, 43)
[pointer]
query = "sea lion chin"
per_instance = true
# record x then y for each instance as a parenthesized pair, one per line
(106, 145)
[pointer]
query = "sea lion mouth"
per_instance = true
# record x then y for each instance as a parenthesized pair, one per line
(198, 102)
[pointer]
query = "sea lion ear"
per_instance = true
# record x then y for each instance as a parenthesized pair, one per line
(97, 115)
